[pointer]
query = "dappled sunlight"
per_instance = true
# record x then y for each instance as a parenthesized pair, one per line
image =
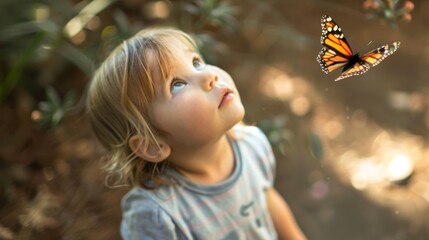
(387, 161)
(278, 84)
(389, 166)
(400, 100)
(300, 105)
(386, 165)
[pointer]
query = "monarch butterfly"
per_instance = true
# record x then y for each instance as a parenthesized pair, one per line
(336, 52)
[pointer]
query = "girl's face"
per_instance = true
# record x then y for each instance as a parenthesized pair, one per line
(197, 104)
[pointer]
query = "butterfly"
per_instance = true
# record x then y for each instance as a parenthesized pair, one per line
(336, 52)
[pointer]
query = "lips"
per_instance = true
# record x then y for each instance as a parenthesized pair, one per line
(226, 96)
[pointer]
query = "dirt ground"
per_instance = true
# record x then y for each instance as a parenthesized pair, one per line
(351, 155)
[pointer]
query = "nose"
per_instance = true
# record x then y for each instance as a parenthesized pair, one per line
(209, 80)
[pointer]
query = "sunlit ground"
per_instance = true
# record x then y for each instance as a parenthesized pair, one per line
(390, 167)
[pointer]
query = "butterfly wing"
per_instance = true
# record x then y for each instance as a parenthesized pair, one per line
(336, 51)
(377, 55)
(329, 60)
(369, 60)
(357, 69)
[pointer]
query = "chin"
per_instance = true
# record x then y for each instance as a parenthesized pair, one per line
(238, 116)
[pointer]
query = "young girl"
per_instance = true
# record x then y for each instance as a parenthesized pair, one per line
(170, 123)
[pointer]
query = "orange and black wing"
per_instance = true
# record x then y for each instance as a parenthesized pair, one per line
(336, 51)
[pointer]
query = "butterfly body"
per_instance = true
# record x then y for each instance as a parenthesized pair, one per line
(337, 53)
(351, 62)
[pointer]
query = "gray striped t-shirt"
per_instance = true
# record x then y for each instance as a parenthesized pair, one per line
(235, 208)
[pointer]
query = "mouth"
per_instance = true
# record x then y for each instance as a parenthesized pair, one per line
(226, 96)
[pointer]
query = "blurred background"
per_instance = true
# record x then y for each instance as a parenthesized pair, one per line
(352, 156)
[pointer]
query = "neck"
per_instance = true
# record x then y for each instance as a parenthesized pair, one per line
(206, 164)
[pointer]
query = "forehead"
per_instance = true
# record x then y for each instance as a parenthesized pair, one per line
(167, 55)
(175, 48)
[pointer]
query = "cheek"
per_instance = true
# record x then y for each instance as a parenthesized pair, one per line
(195, 113)
(189, 125)
(188, 116)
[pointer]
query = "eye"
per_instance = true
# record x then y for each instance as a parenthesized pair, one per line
(177, 85)
(198, 62)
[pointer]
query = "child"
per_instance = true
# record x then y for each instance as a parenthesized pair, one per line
(170, 123)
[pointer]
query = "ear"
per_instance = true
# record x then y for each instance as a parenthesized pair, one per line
(152, 153)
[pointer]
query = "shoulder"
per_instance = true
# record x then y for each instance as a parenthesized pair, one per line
(138, 203)
(144, 216)
(158, 199)
(134, 197)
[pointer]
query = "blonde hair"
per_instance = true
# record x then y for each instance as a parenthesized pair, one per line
(119, 98)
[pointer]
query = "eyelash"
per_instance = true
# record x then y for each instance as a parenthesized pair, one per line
(196, 60)
(174, 83)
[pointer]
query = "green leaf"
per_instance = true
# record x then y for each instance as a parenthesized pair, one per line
(18, 67)
(53, 97)
(76, 56)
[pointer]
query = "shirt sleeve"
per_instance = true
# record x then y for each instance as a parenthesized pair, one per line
(144, 219)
